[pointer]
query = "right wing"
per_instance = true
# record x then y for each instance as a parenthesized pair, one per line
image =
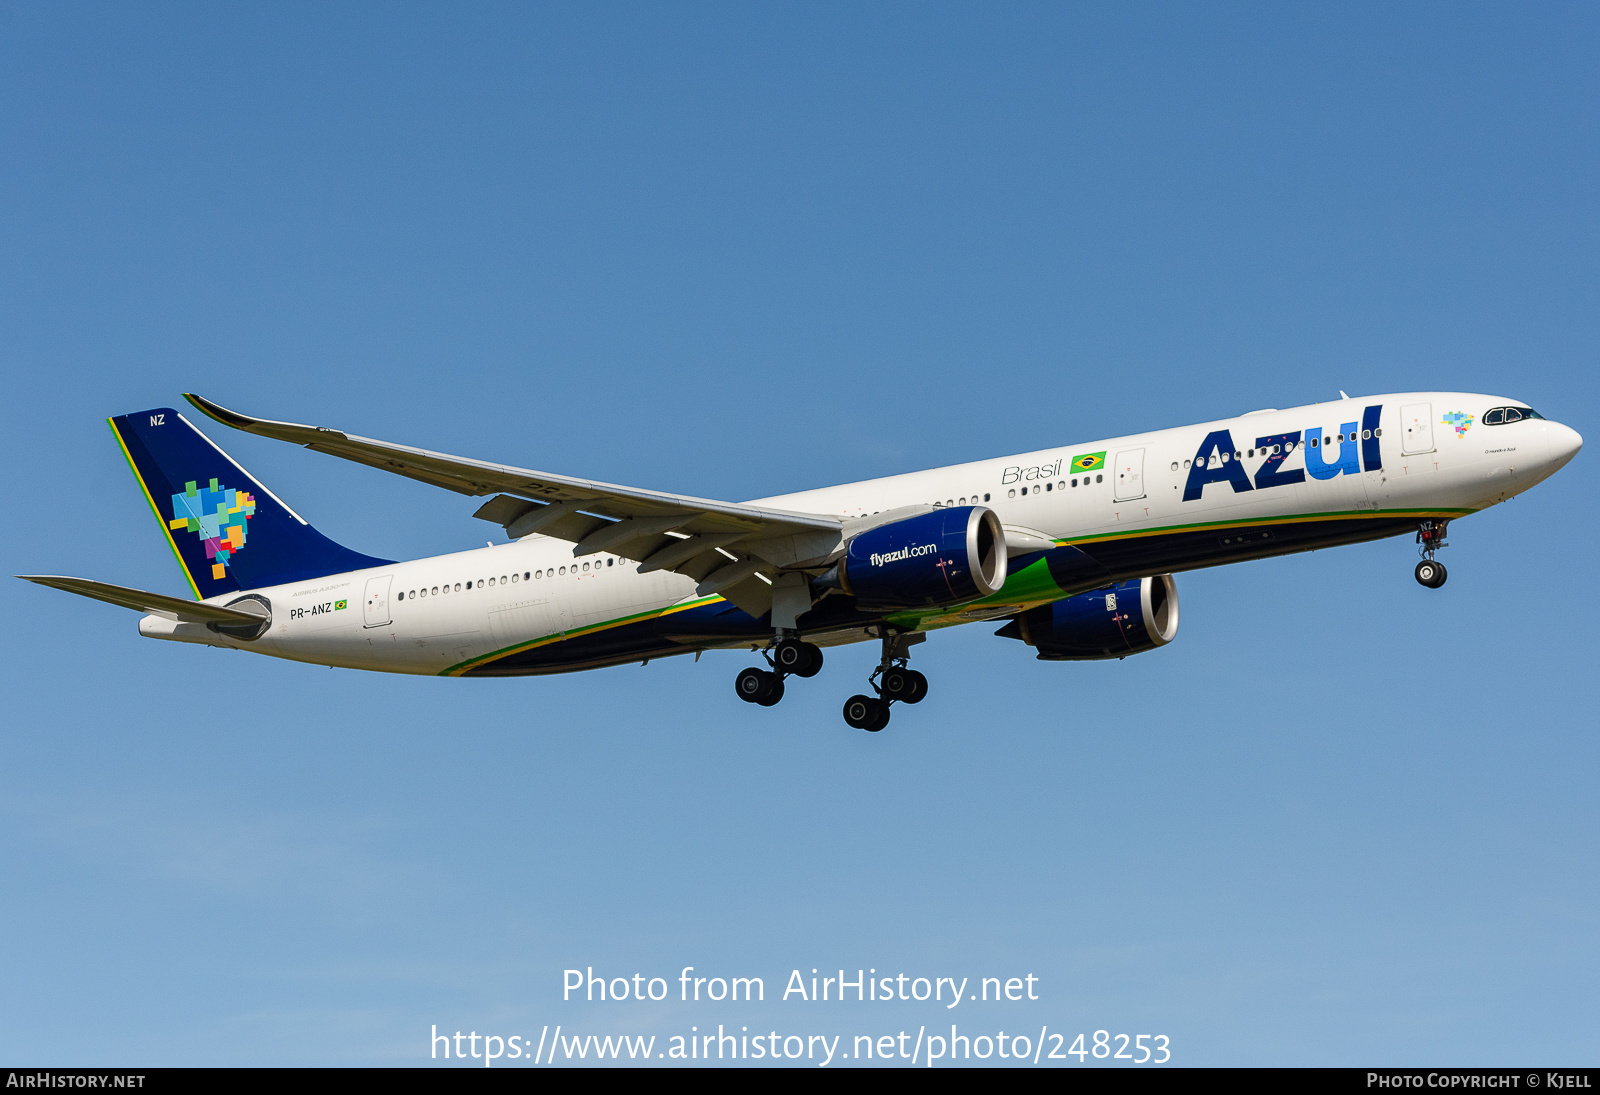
(724, 546)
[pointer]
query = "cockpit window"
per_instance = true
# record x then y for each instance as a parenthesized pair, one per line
(1499, 416)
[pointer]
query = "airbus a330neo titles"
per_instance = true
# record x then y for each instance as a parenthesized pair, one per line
(1073, 548)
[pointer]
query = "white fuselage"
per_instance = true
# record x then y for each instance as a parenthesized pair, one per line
(430, 615)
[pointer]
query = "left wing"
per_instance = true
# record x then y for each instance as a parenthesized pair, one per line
(724, 546)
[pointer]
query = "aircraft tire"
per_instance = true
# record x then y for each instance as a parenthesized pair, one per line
(813, 661)
(755, 685)
(775, 693)
(866, 713)
(1431, 573)
(919, 687)
(800, 658)
(897, 684)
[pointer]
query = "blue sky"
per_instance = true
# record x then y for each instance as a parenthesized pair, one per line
(741, 250)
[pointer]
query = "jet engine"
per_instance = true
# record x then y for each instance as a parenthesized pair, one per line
(1126, 618)
(941, 558)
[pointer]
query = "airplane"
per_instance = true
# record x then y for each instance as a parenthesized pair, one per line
(1073, 548)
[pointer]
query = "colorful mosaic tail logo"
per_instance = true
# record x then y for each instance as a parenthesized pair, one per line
(217, 515)
(1462, 422)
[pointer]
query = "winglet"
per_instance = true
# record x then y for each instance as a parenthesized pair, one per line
(265, 427)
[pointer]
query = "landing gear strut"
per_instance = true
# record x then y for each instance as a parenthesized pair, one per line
(1430, 538)
(787, 655)
(893, 681)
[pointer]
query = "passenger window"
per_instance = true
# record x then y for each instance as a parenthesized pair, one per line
(1099, 479)
(1314, 441)
(963, 501)
(513, 577)
(491, 581)
(610, 562)
(525, 576)
(436, 590)
(458, 586)
(585, 566)
(538, 574)
(986, 498)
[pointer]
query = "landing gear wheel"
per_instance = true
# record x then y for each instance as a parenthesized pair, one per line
(919, 687)
(758, 686)
(1431, 573)
(800, 658)
(899, 684)
(866, 713)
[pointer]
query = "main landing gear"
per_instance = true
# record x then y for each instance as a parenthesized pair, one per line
(788, 655)
(893, 681)
(1430, 538)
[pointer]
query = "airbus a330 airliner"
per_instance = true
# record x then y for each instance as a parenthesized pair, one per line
(1074, 547)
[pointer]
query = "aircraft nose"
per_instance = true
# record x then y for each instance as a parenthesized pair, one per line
(1564, 442)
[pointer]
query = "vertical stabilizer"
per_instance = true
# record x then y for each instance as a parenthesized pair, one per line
(228, 531)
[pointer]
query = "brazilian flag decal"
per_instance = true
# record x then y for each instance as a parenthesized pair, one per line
(337, 605)
(1089, 461)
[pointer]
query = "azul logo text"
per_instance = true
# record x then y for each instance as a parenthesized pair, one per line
(1326, 454)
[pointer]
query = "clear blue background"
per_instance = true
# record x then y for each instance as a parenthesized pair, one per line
(740, 250)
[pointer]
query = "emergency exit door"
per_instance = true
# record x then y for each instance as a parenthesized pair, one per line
(375, 613)
(1130, 475)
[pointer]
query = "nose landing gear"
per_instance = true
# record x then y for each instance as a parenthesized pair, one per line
(893, 681)
(789, 655)
(1430, 538)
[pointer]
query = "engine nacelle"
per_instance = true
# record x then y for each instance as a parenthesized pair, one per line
(941, 558)
(1127, 618)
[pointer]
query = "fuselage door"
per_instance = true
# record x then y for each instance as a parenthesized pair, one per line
(375, 611)
(1417, 423)
(1130, 474)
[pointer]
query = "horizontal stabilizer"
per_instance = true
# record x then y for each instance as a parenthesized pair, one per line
(172, 608)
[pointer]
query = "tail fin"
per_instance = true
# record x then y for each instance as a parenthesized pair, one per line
(228, 531)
